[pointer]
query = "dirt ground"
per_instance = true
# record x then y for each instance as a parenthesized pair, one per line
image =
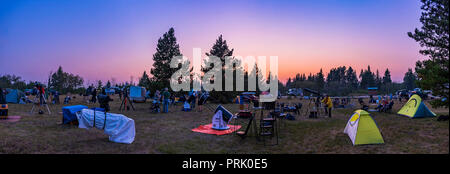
(170, 133)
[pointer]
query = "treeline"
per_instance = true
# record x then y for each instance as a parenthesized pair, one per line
(60, 81)
(344, 81)
(167, 48)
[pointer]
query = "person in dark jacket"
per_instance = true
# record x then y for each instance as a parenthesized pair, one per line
(2, 96)
(94, 96)
(104, 100)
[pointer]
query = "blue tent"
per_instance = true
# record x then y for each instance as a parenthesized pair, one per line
(137, 94)
(13, 95)
(69, 113)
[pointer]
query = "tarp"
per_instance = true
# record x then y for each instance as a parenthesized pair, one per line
(207, 129)
(69, 113)
(362, 129)
(415, 108)
(120, 128)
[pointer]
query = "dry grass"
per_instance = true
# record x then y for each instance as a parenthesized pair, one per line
(171, 134)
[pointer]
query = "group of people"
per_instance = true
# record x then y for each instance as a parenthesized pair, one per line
(165, 97)
(384, 104)
(327, 106)
(90, 91)
(190, 100)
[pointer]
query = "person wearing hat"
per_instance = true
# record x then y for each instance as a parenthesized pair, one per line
(327, 101)
(166, 97)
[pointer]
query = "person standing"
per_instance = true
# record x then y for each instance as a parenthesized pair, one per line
(166, 97)
(94, 95)
(329, 105)
(201, 100)
(104, 99)
(2, 97)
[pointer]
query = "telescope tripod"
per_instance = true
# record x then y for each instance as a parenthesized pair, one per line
(126, 99)
(38, 101)
(312, 104)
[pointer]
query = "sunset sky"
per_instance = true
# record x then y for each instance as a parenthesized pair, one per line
(105, 39)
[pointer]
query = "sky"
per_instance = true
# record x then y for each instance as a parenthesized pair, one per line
(116, 39)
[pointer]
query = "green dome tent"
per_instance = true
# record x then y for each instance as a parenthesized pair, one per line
(415, 108)
(362, 129)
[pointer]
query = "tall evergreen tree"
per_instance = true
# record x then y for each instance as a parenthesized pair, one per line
(144, 81)
(166, 49)
(221, 50)
(108, 84)
(409, 80)
(387, 77)
(367, 78)
(351, 78)
(64, 82)
(378, 79)
(433, 37)
(320, 81)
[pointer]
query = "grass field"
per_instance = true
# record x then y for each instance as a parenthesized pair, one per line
(171, 133)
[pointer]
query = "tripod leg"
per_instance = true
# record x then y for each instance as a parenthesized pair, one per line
(120, 108)
(32, 109)
(131, 103)
(48, 109)
(34, 104)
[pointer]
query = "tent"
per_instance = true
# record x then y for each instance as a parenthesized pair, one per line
(362, 129)
(69, 113)
(14, 95)
(137, 94)
(415, 108)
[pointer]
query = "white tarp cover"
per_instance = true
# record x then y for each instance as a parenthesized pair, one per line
(119, 127)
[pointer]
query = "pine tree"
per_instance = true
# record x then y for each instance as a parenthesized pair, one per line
(351, 78)
(144, 81)
(221, 50)
(409, 80)
(433, 36)
(387, 77)
(320, 81)
(367, 78)
(378, 80)
(166, 49)
(108, 84)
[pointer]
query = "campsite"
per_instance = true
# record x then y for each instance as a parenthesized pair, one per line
(225, 77)
(171, 134)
